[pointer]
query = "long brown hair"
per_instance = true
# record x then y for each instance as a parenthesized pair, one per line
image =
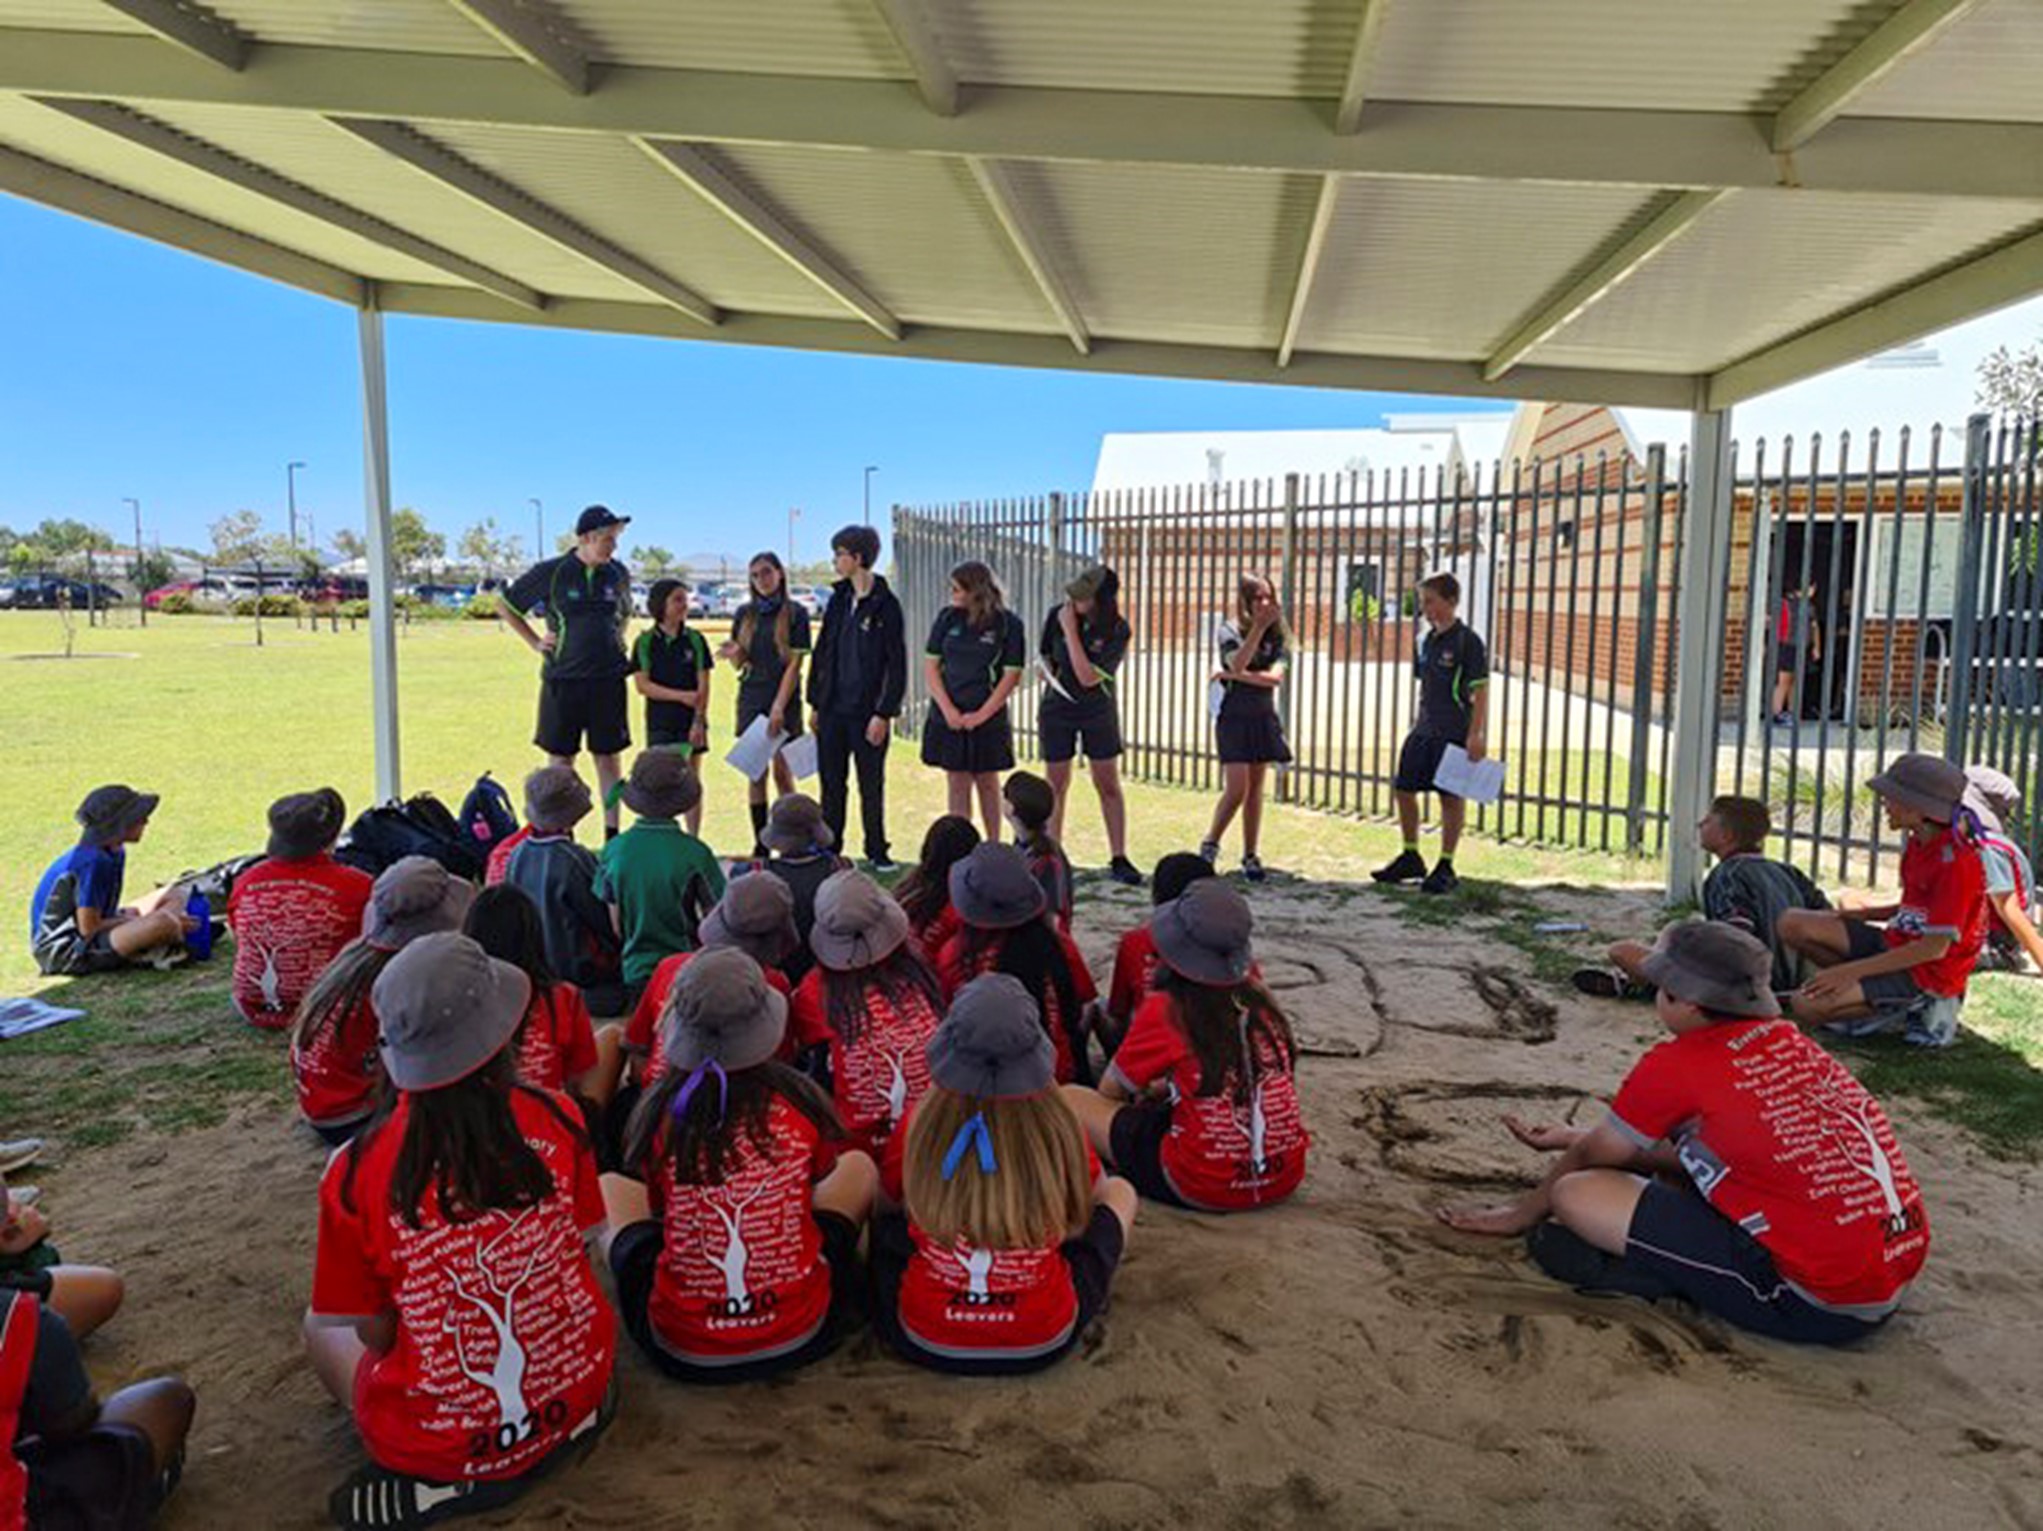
(983, 604)
(1032, 953)
(1040, 1190)
(703, 1142)
(1246, 589)
(1228, 1029)
(900, 975)
(342, 985)
(783, 618)
(926, 891)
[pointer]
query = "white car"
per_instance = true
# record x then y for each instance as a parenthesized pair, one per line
(808, 597)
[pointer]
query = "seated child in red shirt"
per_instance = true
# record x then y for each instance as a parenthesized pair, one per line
(454, 1310)
(1910, 972)
(1802, 1221)
(558, 1045)
(734, 1239)
(871, 1004)
(1012, 1235)
(333, 1038)
(1004, 928)
(1135, 955)
(1029, 805)
(292, 912)
(755, 915)
(926, 891)
(1200, 1107)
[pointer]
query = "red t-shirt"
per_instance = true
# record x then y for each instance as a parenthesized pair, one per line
(1219, 1154)
(1943, 893)
(499, 864)
(741, 1274)
(642, 1037)
(559, 1040)
(1052, 869)
(957, 1300)
(289, 919)
(337, 1074)
(18, 1324)
(877, 1080)
(504, 1342)
(955, 968)
(1782, 1140)
(939, 928)
(1135, 962)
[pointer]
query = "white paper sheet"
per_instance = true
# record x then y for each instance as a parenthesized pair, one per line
(1479, 781)
(18, 1017)
(753, 750)
(1050, 678)
(800, 755)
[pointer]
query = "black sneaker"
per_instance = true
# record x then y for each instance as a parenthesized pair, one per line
(1124, 872)
(1209, 851)
(1599, 982)
(1252, 868)
(882, 866)
(1410, 866)
(1440, 880)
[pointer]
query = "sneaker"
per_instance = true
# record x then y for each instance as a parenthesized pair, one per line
(1783, 720)
(882, 866)
(1209, 851)
(1440, 880)
(375, 1497)
(1124, 872)
(19, 1154)
(163, 958)
(1410, 866)
(1252, 868)
(1603, 983)
(25, 1195)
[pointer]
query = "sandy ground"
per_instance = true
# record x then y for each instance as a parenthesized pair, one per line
(1340, 1361)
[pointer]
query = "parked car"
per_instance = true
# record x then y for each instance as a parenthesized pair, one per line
(443, 595)
(335, 587)
(46, 592)
(808, 597)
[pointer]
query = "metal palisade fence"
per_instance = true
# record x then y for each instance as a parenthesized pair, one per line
(1845, 570)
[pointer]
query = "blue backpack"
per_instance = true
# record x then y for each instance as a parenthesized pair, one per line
(486, 814)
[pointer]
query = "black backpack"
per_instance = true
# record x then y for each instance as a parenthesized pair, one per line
(420, 826)
(487, 815)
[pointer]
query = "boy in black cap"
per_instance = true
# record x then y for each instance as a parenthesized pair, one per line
(1453, 670)
(77, 920)
(857, 677)
(584, 598)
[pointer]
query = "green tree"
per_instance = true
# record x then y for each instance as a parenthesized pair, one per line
(2011, 382)
(486, 549)
(350, 544)
(413, 544)
(68, 538)
(237, 538)
(653, 562)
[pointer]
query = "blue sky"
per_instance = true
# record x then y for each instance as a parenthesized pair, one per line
(134, 369)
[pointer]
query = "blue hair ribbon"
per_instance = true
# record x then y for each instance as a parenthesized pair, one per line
(694, 1082)
(974, 1131)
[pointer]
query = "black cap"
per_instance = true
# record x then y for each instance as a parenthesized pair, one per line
(596, 518)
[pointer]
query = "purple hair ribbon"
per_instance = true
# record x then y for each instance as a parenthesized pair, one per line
(694, 1082)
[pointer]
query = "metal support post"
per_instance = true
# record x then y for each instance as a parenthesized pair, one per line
(1965, 607)
(1287, 598)
(376, 506)
(1705, 558)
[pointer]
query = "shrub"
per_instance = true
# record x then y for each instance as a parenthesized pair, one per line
(176, 604)
(270, 605)
(482, 608)
(354, 611)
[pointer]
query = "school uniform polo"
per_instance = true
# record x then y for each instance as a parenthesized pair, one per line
(764, 665)
(1752, 891)
(586, 608)
(1450, 667)
(679, 662)
(663, 881)
(972, 661)
(1081, 718)
(1248, 728)
(84, 877)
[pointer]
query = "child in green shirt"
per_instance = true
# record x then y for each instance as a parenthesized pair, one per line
(658, 879)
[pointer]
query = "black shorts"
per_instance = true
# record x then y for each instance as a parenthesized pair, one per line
(1897, 1001)
(570, 710)
(73, 956)
(989, 747)
(635, 1254)
(1789, 660)
(104, 1477)
(1135, 1144)
(1419, 759)
(750, 707)
(1093, 1257)
(1090, 725)
(1255, 739)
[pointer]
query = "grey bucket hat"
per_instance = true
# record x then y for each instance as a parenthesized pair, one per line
(1927, 783)
(1203, 934)
(305, 823)
(756, 915)
(1992, 795)
(795, 824)
(556, 798)
(992, 1043)
(109, 812)
(1716, 966)
(444, 1008)
(1084, 585)
(661, 786)
(994, 889)
(858, 923)
(723, 1012)
(414, 897)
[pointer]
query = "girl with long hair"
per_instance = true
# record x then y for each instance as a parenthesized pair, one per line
(454, 1310)
(972, 663)
(734, 1240)
(1255, 652)
(926, 891)
(1011, 1235)
(1200, 1105)
(1085, 639)
(769, 639)
(557, 1046)
(671, 666)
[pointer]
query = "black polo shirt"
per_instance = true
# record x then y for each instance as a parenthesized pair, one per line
(1450, 666)
(763, 664)
(1245, 701)
(585, 607)
(973, 659)
(1105, 650)
(680, 661)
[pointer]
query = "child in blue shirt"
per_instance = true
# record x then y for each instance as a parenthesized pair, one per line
(76, 922)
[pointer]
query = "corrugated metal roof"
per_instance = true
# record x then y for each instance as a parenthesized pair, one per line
(1797, 256)
(1447, 268)
(423, 26)
(819, 37)
(1988, 66)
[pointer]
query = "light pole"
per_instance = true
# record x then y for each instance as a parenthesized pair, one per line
(538, 530)
(141, 606)
(794, 514)
(291, 497)
(869, 472)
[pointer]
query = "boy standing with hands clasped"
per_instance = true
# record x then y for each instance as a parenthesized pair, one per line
(1453, 669)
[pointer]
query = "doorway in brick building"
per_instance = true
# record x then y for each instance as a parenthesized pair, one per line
(1821, 558)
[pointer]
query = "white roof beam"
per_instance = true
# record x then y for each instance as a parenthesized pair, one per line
(1912, 27)
(1644, 148)
(1308, 265)
(161, 138)
(1677, 215)
(191, 27)
(918, 44)
(477, 184)
(1368, 32)
(2005, 275)
(1005, 200)
(703, 173)
(67, 190)
(536, 33)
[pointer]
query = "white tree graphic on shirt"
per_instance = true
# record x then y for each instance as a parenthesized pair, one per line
(1250, 1120)
(505, 1376)
(271, 982)
(978, 1265)
(736, 1254)
(897, 1090)
(1858, 1140)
